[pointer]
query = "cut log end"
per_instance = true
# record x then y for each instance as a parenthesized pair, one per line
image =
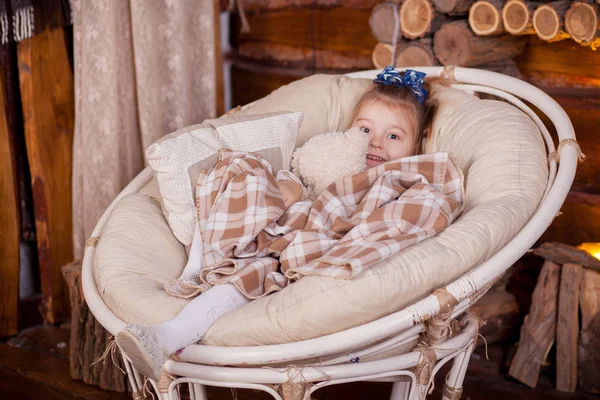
(415, 18)
(485, 19)
(382, 55)
(451, 44)
(516, 17)
(546, 22)
(383, 22)
(417, 53)
(581, 21)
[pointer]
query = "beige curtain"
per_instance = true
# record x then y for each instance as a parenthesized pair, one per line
(143, 68)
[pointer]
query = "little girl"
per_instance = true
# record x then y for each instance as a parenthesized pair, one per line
(392, 113)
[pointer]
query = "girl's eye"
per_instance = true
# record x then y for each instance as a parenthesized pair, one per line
(393, 136)
(365, 129)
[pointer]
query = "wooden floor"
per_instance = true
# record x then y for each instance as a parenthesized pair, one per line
(35, 366)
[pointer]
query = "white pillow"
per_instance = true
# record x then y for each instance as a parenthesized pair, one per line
(178, 158)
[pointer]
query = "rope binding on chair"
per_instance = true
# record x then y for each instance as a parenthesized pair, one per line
(164, 382)
(111, 348)
(555, 155)
(448, 73)
(451, 393)
(92, 242)
(437, 330)
(296, 387)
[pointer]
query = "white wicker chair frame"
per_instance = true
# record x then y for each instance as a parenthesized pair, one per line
(200, 365)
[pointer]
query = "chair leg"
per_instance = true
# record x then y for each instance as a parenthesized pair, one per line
(400, 390)
(197, 391)
(419, 392)
(456, 377)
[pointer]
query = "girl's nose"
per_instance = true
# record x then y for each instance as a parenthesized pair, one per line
(375, 141)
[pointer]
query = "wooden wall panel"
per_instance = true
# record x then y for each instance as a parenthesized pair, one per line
(571, 75)
(579, 221)
(249, 83)
(261, 5)
(336, 29)
(563, 64)
(9, 227)
(47, 93)
(584, 112)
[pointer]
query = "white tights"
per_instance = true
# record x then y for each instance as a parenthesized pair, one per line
(194, 320)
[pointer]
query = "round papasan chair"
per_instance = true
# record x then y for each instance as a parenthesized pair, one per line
(399, 321)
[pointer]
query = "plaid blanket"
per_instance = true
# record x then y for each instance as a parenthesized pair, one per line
(251, 240)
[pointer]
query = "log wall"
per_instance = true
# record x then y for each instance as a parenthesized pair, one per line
(338, 39)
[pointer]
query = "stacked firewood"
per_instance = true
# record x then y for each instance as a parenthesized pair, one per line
(475, 33)
(553, 21)
(426, 33)
(568, 286)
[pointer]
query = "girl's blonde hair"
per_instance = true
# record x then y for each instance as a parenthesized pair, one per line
(401, 98)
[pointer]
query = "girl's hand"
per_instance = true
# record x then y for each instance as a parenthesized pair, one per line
(291, 192)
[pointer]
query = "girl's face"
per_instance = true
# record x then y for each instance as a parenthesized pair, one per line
(391, 133)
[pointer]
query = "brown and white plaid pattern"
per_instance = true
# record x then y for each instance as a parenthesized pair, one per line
(250, 240)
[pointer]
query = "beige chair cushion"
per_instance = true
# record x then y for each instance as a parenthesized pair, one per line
(504, 161)
(178, 158)
(136, 254)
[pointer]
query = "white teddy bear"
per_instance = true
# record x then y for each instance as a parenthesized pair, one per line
(328, 157)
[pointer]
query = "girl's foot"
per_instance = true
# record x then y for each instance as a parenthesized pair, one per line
(140, 344)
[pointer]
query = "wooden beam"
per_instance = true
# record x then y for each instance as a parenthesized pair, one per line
(576, 211)
(250, 82)
(539, 328)
(304, 58)
(562, 65)
(266, 5)
(9, 224)
(567, 328)
(335, 29)
(589, 349)
(561, 253)
(47, 97)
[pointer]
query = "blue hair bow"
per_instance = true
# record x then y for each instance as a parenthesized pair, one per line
(410, 79)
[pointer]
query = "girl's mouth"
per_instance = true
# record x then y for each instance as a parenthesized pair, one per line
(374, 160)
